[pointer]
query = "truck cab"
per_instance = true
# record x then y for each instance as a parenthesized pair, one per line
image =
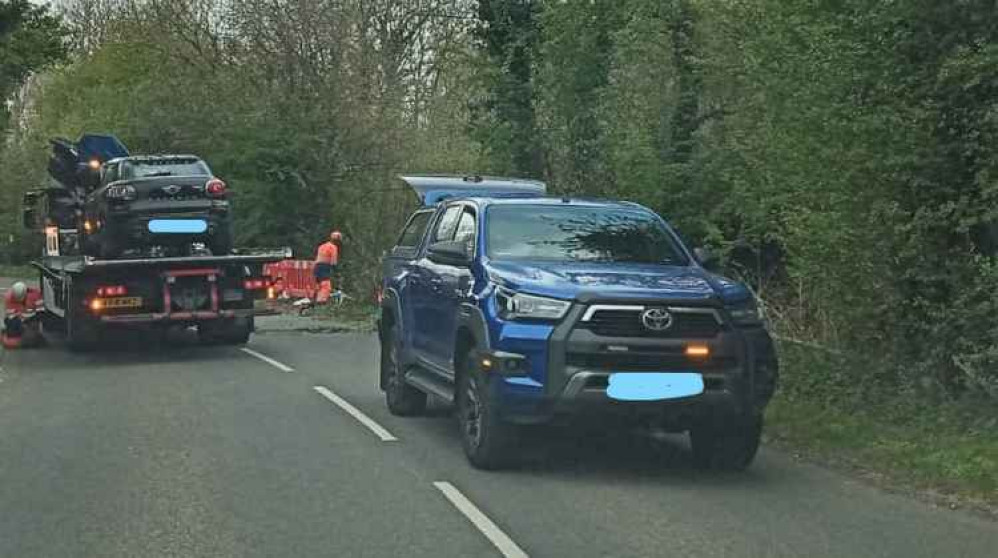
(523, 309)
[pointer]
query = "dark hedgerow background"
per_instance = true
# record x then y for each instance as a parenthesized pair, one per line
(839, 154)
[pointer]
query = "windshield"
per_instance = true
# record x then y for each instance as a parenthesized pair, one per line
(572, 233)
(164, 167)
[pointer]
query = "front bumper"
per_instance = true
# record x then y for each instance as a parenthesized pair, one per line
(566, 371)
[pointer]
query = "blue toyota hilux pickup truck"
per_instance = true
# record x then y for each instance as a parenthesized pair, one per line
(522, 309)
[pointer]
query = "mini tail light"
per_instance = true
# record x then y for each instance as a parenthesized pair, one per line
(254, 284)
(112, 290)
(215, 187)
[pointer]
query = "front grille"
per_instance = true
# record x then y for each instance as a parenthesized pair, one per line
(627, 323)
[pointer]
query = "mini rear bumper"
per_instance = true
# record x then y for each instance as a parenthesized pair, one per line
(132, 225)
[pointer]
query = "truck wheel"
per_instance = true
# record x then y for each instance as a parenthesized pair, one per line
(402, 399)
(487, 439)
(229, 332)
(729, 446)
(81, 331)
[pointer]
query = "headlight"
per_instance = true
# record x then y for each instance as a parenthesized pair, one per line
(745, 313)
(124, 192)
(514, 305)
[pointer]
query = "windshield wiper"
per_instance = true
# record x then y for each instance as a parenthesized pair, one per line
(158, 173)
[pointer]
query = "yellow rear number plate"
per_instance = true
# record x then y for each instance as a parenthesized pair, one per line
(123, 302)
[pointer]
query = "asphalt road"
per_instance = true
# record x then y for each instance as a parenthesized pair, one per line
(178, 450)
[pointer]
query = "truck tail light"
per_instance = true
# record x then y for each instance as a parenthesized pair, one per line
(215, 188)
(111, 290)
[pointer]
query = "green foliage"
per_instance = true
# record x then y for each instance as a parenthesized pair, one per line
(30, 39)
(839, 154)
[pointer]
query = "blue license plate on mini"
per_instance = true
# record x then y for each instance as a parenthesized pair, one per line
(654, 386)
(178, 226)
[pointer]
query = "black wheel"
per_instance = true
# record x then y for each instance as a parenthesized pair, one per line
(487, 440)
(107, 246)
(727, 446)
(220, 243)
(82, 332)
(229, 332)
(402, 399)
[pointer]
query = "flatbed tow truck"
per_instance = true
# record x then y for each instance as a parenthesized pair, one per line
(219, 295)
(89, 298)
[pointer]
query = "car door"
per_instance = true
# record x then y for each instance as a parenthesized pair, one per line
(397, 265)
(454, 288)
(426, 292)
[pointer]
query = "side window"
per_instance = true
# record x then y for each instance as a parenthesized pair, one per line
(447, 224)
(466, 229)
(414, 230)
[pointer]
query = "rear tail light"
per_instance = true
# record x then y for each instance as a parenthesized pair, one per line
(112, 290)
(215, 187)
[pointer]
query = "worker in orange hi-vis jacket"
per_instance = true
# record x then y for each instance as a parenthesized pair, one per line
(21, 323)
(326, 261)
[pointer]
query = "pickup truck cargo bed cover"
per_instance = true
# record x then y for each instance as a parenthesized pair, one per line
(433, 189)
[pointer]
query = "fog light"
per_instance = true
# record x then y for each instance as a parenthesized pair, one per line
(486, 364)
(697, 351)
(96, 305)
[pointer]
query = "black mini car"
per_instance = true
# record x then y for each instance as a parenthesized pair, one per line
(167, 203)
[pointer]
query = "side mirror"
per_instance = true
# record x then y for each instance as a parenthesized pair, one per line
(451, 252)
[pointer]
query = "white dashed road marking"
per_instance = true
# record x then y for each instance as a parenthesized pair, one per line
(491, 531)
(356, 413)
(278, 365)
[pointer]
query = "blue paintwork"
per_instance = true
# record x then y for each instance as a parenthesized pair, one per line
(178, 226)
(430, 297)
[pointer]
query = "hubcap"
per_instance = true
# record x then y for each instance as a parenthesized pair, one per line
(472, 413)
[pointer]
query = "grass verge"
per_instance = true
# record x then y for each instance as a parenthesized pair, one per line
(946, 453)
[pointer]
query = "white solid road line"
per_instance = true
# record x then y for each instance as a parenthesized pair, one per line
(491, 531)
(356, 413)
(278, 365)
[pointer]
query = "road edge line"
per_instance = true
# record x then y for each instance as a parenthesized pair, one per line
(377, 429)
(486, 526)
(278, 365)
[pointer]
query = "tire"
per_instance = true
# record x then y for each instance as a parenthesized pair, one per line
(107, 247)
(728, 446)
(402, 399)
(230, 332)
(487, 440)
(82, 332)
(220, 243)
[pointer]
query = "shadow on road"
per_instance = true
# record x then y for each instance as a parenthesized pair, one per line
(129, 347)
(604, 453)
